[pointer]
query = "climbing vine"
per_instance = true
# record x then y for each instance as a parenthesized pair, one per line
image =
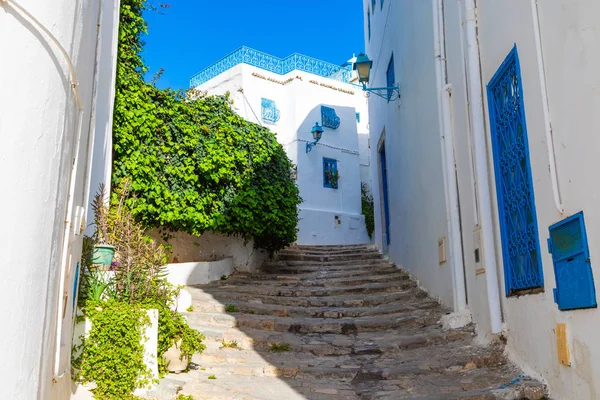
(368, 208)
(194, 164)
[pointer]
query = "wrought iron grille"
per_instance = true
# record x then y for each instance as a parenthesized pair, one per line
(330, 178)
(281, 66)
(329, 118)
(514, 187)
(369, 23)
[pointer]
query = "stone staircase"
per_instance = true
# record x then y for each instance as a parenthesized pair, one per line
(337, 322)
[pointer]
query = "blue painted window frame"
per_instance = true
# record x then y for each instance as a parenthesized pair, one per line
(390, 77)
(575, 289)
(533, 278)
(369, 22)
(329, 164)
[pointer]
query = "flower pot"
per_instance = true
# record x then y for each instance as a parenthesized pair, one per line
(103, 255)
(173, 357)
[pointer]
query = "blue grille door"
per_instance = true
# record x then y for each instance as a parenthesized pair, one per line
(514, 187)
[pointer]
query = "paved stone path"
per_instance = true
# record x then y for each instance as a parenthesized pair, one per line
(337, 322)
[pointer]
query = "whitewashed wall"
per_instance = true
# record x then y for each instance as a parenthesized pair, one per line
(570, 41)
(39, 122)
(412, 142)
(299, 102)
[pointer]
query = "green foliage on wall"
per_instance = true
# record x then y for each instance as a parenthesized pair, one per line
(194, 164)
(112, 355)
(368, 209)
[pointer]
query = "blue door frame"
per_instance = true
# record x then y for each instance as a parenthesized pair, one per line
(384, 184)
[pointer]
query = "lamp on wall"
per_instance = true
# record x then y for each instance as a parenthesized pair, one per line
(363, 66)
(317, 132)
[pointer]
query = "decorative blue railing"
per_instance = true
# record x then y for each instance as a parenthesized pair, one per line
(329, 118)
(274, 64)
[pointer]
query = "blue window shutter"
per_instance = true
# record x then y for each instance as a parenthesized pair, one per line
(572, 268)
(369, 23)
(390, 77)
(329, 167)
(514, 185)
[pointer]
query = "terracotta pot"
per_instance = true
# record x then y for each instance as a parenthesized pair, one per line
(174, 361)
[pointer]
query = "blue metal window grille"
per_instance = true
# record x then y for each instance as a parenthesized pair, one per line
(514, 187)
(572, 268)
(280, 66)
(369, 23)
(358, 117)
(329, 168)
(329, 118)
(390, 77)
(269, 111)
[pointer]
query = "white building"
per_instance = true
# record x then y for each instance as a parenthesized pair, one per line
(57, 84)
(289, 96)
(490, 152)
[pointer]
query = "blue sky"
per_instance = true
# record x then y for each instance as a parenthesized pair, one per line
(195, 33)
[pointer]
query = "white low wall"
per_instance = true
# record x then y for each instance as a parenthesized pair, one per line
(211, 247)
(195, 273)
(318, 227)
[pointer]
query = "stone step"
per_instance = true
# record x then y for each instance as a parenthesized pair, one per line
(330, 344)
(346, 326)
(319, 275)
(266, 290)
(329, 257)
(289, 251)
(244, 307)
(267, 279)
(346, 300)
(328, 265)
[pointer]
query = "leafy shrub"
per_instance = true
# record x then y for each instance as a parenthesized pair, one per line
(194, 164)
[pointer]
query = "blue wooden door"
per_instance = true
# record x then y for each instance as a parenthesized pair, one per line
(384, 185)
(514, 187)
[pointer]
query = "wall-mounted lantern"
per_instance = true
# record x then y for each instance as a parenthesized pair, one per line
(363, 66)
(317, 132)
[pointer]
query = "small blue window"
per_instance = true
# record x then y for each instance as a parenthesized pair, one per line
(358, 117)
(330, 173)
(391, 77)
(369, 23)
(572, 268)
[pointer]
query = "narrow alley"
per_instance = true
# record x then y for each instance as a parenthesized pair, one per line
(337, 322)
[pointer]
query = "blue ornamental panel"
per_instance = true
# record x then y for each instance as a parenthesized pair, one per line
(280, 66)
(329, 118)
(269, 112)
(572, 268)
(390, 77)
(514, 187)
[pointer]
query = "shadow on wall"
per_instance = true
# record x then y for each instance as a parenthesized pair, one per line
(213, 247)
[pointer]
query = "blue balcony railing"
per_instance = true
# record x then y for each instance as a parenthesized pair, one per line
(274, 64)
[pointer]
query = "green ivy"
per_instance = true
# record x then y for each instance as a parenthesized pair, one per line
(194, 164)
(112, 355)
(368, 209)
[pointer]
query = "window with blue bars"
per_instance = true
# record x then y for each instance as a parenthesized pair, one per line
(369, 23)
(330, 173)
(391, 77)
(514, 184)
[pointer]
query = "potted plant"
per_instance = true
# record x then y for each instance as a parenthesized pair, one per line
(103, 252)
